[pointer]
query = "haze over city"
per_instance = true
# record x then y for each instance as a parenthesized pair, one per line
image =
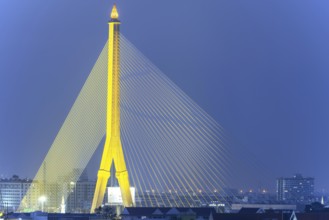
(260, 69)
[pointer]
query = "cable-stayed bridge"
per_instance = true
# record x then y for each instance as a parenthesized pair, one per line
(175, 153)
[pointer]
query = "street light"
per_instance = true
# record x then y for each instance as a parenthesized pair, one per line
(42, 200)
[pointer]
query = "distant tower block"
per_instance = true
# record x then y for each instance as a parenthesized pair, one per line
(113, 148)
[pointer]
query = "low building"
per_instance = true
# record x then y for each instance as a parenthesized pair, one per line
(138, 213)
(255, 216)
(238, 207)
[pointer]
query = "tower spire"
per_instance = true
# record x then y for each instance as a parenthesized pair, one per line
(114, 12)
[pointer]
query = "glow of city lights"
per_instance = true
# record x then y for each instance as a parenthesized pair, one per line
(42, 200)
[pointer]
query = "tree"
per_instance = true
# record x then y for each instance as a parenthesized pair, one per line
(314, 207)
(105, 211)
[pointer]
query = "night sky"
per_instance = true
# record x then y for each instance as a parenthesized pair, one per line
(260, 68)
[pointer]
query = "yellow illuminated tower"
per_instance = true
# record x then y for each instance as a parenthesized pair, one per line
(113, 149)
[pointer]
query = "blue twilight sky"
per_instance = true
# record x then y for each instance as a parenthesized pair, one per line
(260, 68)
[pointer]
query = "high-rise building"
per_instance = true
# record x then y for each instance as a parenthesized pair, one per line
(295, 189)
(13, 190)
(80, 196)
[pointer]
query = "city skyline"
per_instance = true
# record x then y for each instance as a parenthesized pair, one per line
(267, 86)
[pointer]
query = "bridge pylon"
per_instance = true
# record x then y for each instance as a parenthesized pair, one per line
(113, 152)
